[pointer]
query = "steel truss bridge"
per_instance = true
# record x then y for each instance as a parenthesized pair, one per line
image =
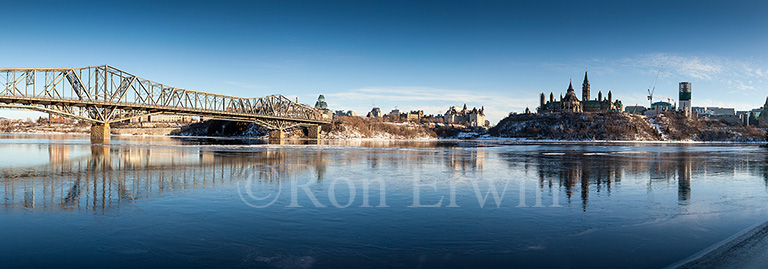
(104, 94)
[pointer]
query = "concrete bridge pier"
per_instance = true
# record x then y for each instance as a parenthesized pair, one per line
(100, 133)
(313, 132)
(276, 136)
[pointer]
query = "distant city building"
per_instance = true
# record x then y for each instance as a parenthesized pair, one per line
(635, 109)
(718, 111)
(432, 118)
(375, 112)
(715, 111)
(415, 115)
(666, 106)
(54, 119)
(685, 98)
(571, 102)
(699, 111)
(752, 119)
(762, 117)
(323, 106)
(658, 108)
(342, 113)
(471, 118)
(164, 118)
(743, 117)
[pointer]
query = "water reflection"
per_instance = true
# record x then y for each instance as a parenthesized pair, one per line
(112, 175)
(684, 175)
(577, 170)
(100, 177)
(581, 172)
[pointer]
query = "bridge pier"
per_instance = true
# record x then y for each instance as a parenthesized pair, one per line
(313, 131)
(276, 136)
(100, 133)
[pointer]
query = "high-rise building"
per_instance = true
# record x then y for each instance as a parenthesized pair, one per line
(685, 98)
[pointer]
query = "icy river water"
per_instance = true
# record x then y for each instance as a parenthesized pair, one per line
(162, 201)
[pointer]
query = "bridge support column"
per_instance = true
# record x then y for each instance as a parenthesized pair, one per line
(313, 132)
(276, 136)
(100, 133)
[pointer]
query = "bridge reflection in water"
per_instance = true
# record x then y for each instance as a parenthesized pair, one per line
(110, 176)
(102, 177)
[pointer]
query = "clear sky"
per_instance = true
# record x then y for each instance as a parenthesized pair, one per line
(408, 54)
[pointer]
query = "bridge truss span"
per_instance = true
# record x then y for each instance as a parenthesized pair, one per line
(104, 94)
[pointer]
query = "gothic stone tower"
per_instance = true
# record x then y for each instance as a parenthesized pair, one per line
(585, 88)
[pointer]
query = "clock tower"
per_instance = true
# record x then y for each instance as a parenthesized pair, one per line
(585, 88)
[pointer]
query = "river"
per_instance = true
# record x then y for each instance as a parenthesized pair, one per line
(202, 202)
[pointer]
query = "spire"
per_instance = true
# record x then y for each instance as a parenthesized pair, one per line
(585, 95)
(465, 106)
(570, 86)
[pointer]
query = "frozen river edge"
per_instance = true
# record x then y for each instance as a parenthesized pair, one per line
(746, 249)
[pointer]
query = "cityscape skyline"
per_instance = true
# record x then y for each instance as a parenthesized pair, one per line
(411, 55)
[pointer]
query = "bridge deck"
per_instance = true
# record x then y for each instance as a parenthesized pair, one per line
(238, 116)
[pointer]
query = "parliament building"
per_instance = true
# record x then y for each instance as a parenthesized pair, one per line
(571, 103)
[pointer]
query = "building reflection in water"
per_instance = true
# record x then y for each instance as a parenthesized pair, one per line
(576, 171)
(580, 172)
(684, 168)
(454, 158)
(469, 159)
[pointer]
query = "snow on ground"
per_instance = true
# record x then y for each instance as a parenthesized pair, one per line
(656, 126)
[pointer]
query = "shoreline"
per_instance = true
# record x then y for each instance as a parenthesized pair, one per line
(617, 141)
(480, 139)
(745, 249)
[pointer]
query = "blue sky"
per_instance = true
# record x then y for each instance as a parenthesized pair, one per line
(407, 54)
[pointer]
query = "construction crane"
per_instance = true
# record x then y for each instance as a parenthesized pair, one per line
(650, 91)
